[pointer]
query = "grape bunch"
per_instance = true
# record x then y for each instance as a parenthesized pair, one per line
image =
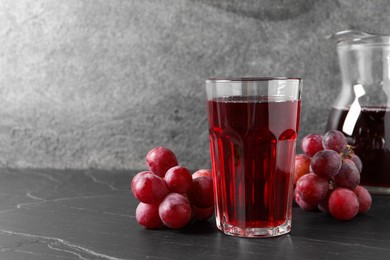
(169, 194)
(327, 177)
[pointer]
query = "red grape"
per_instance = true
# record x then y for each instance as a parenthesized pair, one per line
(201, 192)
(148, 187)
(147, 215)
(303, 204)
(364, 198)
(326, 163)
(202, 173)
(348, 176)
(311, 144)
(160, 160)
(312, 188)
(357, 162)
(332, 186)
(323, 204)
(343, 204)
(201, 214)
(175, 211)
(302, 166)
(334, 140)
(178, 179)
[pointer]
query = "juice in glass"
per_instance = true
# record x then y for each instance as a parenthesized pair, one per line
(252, 147)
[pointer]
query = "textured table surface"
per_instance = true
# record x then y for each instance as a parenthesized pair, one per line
(67, 214)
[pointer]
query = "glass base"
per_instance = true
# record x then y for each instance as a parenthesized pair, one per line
(255, 232)
(378, 190)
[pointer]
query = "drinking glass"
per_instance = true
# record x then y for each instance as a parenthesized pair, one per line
(253, 127)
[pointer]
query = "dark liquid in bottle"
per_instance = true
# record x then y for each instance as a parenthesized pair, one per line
(371, 139)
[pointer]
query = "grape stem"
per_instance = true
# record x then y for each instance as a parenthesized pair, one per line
(331, 185)
(347, 152)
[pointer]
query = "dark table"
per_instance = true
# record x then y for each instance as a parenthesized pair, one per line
(68, 214)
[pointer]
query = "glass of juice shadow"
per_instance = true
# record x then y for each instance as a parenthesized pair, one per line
(253, 127)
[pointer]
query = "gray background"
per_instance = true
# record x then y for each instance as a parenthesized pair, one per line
(96, 84)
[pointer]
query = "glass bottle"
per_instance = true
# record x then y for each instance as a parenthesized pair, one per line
(362, 109)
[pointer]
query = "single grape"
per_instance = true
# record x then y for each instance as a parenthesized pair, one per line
(160, 160)
(326, 163)
(178, 179)
(175, 211)
(201, 192)
(303, 204)
(147, 215)
(358, 162)
(348, 153)
(148, 187)
(312, 188)
(348, 175)
(302, 166)
(334, 140)
(202, 173)
(343, 204)
(202, 214)
(323, 204)
(364, 198)
(311, 144)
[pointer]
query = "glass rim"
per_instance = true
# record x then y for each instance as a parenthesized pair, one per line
(249, 79)
(361, 39)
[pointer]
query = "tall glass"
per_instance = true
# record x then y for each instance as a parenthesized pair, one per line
(253, 127)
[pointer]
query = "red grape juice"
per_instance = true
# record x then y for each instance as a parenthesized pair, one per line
(371, 141)
(252, 146)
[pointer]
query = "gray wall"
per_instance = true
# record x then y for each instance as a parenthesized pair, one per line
(98, 83)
